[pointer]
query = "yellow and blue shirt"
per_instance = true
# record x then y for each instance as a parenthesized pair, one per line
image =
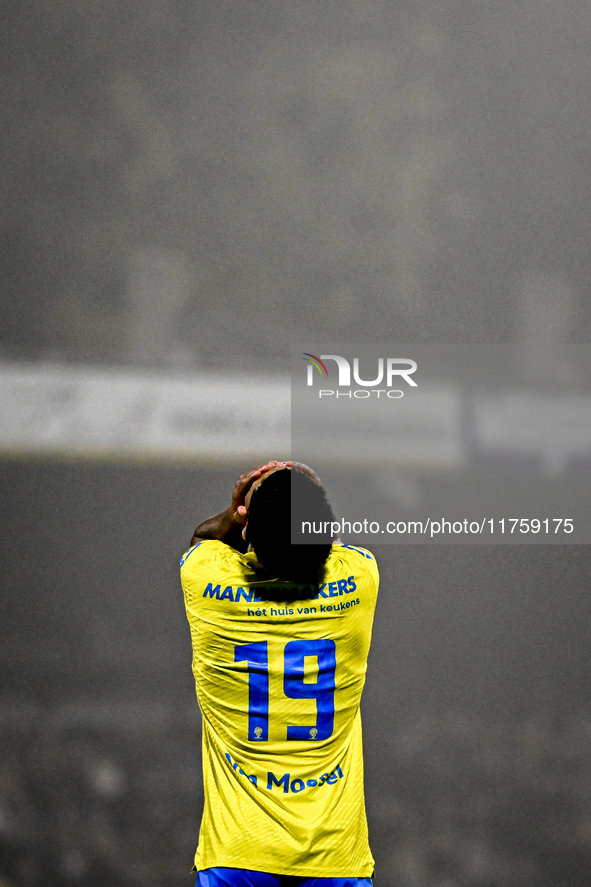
(279, 686)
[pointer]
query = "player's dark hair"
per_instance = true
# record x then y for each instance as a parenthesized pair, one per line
(281, 496)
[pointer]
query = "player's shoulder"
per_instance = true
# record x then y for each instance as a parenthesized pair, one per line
(356, 550)
(208, 552)
(357, 558)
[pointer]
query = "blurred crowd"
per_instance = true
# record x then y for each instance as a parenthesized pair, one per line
(166, 162)
(455, 800)
(483, 801)
(99, 804)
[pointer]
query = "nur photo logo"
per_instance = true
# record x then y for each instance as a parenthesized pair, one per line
(389, 371)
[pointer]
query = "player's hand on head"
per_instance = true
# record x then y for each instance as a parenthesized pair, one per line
(243, 485)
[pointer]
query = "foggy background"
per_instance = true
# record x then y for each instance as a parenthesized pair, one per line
(188, 189)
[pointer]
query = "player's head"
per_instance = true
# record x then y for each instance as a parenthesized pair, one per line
(276, 498)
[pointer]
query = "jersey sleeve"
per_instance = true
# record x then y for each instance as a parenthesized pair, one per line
(209, 556)
(366, 559)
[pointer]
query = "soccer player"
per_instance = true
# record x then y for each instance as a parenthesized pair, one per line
(280, 636)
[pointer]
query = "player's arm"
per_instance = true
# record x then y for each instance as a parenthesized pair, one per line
(227, 526)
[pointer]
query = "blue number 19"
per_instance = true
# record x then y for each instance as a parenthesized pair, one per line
(293, 685)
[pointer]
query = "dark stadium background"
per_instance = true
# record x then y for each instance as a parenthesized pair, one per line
(354, 172)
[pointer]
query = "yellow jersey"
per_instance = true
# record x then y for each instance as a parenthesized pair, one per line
(279, 686)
